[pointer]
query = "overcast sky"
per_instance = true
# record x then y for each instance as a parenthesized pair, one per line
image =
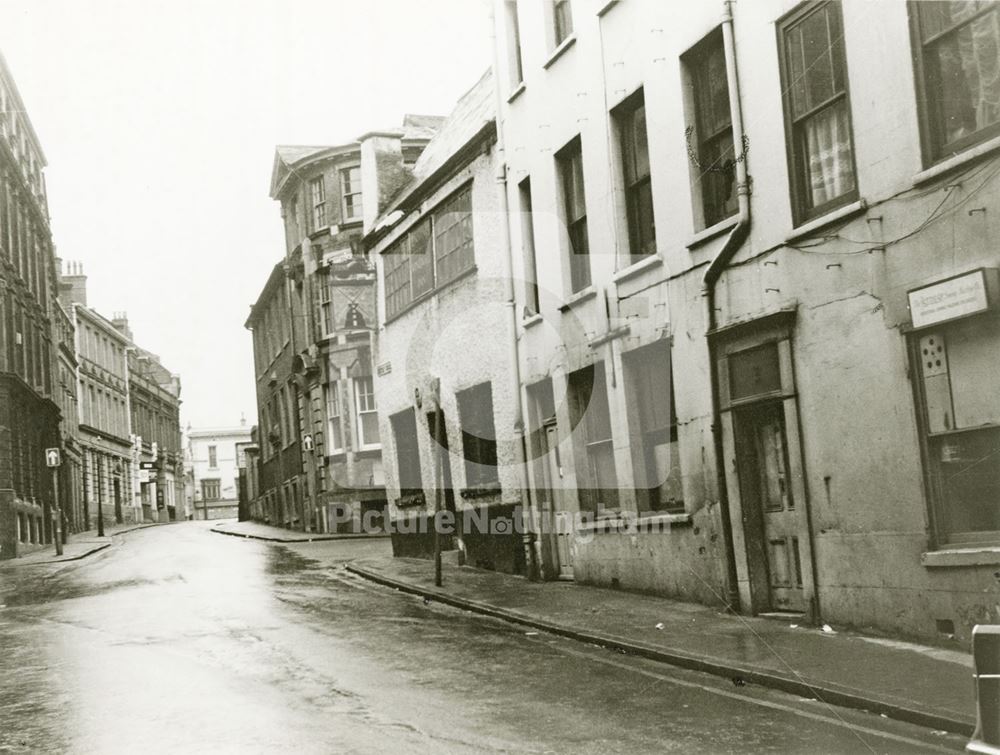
(159, 120)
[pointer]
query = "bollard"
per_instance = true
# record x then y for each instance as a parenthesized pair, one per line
(986, 674)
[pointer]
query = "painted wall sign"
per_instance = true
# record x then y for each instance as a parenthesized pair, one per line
(961, 296)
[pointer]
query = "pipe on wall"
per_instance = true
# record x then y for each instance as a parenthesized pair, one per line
(510, 303)
(714, 272)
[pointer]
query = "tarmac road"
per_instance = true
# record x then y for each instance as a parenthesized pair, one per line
(177, 639)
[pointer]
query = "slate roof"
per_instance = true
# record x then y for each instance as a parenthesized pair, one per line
(473, 110)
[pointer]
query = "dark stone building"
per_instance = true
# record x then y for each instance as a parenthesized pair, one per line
(29, 412)
(320, 445)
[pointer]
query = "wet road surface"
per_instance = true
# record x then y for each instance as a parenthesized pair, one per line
(180, 640)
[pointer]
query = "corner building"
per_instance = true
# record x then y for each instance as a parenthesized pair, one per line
(760, 241)
(29, 408)
(444, 377)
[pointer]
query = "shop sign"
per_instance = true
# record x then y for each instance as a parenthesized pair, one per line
(961, 296)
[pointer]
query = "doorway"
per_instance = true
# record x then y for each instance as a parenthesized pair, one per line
(771, 521)
(560, 520)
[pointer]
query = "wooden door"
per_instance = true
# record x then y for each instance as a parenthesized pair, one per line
(769, 506)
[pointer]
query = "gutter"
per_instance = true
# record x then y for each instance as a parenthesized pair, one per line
(714, 272)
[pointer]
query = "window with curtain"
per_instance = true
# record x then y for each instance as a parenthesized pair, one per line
(569, 161)
(817, 110)
(958, 70)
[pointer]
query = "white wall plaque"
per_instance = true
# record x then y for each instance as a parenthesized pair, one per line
(949, 299)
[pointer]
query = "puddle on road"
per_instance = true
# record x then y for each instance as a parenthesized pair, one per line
(283, 561)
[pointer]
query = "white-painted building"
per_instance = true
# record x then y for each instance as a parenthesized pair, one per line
(213, 457)
(763, 236)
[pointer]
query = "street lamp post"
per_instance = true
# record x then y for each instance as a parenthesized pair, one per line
(100, 499)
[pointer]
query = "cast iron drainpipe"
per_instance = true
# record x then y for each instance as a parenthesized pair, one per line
(715, 269)
(510, 302)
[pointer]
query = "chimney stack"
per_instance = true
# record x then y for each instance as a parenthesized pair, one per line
(73, 285)
(120, 321)
(382, 172)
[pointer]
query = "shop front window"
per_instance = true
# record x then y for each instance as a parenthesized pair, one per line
(961, 419)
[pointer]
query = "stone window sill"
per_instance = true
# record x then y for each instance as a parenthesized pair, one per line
(648, 522)
(531, 320)
(578, 298)
(606, 7)
(956, 161)
(712, 231)
(638, 268)
(558, 52)
(518, 90)
(959, 557)
(822, 221)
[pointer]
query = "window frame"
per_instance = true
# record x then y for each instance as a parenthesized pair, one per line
(207, 485)
(213, 457)
(562, 27)
(401, 248)
(933, 149)
(317, 203)
(371, 404)
(479, 453)
(515, 61)
(695, 62)
(586, 446)
(580, 273)
(624, 117)
(407, 420)
(526, 206)
(795, 150)
(941, 534)
(345, 183)
(334, 419)
(647, 436)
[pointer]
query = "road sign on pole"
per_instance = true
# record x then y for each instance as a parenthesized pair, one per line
(52, 457)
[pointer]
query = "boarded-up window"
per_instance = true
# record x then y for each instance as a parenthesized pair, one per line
(479, 443)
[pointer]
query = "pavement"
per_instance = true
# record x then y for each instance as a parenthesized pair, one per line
(927, 686)
(271, 534)
(77, 546)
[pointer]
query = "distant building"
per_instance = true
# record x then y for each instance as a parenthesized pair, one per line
(66, 390)
(214, 458)
(320, 444)
(247, 458)
(29, 408)
(154, 402)
(103, 407)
